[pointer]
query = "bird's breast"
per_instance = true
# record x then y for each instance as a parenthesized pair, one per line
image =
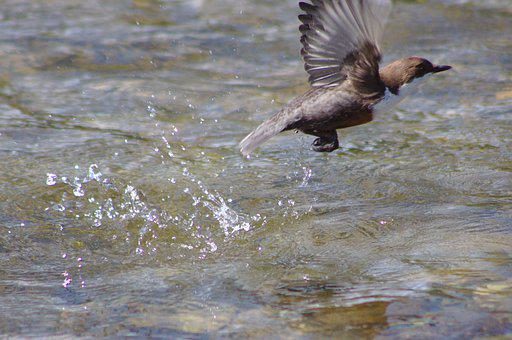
(390, 100)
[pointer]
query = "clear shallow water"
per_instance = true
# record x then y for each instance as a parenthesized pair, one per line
(127, 210)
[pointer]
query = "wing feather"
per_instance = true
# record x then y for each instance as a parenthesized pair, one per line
(341, 38)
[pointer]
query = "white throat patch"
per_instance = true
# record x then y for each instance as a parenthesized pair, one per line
(391, 100)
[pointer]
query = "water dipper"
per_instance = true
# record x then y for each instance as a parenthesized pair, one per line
(341, 53)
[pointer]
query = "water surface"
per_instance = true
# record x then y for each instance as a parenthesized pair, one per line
(126, 209)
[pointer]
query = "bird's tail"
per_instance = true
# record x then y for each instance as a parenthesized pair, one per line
(261, 134)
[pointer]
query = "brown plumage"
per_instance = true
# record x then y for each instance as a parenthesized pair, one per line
(341, 55)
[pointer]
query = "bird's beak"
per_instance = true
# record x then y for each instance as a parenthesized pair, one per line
(441, 68)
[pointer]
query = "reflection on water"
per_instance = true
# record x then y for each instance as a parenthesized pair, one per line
(126, 208)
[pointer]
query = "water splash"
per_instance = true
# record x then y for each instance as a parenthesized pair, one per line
(101, 203)
(229, 220)
(308, 173)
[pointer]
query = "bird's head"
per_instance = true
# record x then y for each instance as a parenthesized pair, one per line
(408, 70)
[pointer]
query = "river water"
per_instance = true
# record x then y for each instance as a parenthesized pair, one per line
(126, 209)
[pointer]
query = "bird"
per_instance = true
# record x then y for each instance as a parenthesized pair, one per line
(340, 48)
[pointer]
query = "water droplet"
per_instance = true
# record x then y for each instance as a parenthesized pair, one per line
(67, 279)
(213, 246)
(94, 173)
(51, 179)
(307, 176)
(59, 207)
(78, 191)
(151, 110)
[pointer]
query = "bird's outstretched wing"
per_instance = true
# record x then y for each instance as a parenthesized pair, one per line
(340, 40)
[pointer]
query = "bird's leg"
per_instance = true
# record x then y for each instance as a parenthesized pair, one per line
(327, 141)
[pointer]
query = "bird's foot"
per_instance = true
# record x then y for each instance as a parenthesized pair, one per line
(325, 145)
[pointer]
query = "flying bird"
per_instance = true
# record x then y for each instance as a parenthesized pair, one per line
(341, 53)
